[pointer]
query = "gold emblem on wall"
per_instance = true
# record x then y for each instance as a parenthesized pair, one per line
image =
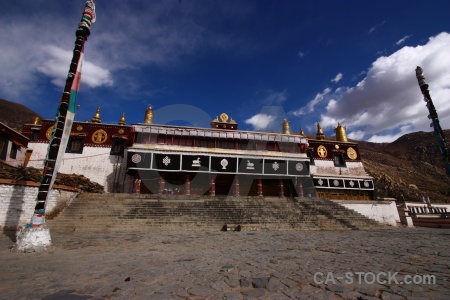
(99, 136)
(322, 151)
(48, 134)
(79, 128)
(351, 153)
(121, 131)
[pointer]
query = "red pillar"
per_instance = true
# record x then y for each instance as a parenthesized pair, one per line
(236, 186)
(137, 184)
(299, 186)
(212, 186)
(187, 185)
(260, 187)
(162, 183)
(281, 192)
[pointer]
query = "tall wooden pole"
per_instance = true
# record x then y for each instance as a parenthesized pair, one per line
(433, 116)
(36, 235)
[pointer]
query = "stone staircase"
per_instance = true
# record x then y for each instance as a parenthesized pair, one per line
(125, 212)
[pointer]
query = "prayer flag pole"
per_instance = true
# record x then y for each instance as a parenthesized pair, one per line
(36, 236)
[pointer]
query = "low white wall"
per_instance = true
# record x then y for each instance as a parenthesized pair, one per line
(382, 211)
(94, 163)
(17, 203)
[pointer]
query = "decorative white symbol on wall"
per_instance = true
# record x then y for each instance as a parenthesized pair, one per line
(352, 183)
(366, 184)
(166, 161)
(196, 162)
(250, 165)
(224, 164)
(320, 182)
(275, 166)
(336, 182)
(136, 158)
(299, 167)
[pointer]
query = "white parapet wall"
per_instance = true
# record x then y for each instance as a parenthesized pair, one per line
(18, 199)
(382, 211)
(94, 163)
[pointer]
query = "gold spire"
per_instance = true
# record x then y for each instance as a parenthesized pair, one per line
(341, 136)
(36, 121)
(286, 127)
(96, 117)
(320, 135)
(149, 116)
(302, 133)
(122, 120)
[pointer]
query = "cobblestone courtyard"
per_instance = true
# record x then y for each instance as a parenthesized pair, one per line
(391, 264)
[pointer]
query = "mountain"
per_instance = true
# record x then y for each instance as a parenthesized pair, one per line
(15, 115)
(411, 166)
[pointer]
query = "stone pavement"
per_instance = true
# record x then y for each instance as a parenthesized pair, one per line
(233, 265)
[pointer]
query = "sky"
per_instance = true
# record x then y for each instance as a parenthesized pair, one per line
(259, 61)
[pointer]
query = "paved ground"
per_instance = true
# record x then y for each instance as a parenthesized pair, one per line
(233, 265)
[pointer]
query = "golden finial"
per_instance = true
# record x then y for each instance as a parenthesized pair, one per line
(232, 121)
(96, 117)
(149, 116)
(320, 135)
(224, 117)
(302, 133)
(286, 127)
(36, 121)
(341, 136)
(122, 120)
(216, 119)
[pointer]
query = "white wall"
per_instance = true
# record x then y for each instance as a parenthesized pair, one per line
(384, 212)
(327, 167)
(94, 163)
(17, 203)
(20, 157)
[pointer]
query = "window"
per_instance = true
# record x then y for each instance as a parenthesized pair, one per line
(339, 160)
(118, 146)
(309, 153)
(13, 153)
(34, 135)
(3, 148)
(75, 145)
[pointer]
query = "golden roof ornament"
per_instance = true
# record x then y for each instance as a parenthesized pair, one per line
(286, 127)
(36, 121)
(320, 135)
(224, 117)
(216, 119)
(341, 136)
(232, 121)
(96, 117)
(149, 113)
(302, 133)
(122, 120)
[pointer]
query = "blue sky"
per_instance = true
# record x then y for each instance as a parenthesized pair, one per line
(259, 61)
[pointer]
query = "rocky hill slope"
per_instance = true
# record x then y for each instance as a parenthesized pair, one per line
(411, 166)
(15, 115)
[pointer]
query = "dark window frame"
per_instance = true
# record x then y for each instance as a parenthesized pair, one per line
(339, 160)
(75, 144)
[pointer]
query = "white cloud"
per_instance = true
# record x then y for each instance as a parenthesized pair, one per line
(56, 65)
(337, 78)
(301, 54)
(375, 27)
(260, 121)
(311, 104)
(388, 102)
(402, 40)
(356, 135)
